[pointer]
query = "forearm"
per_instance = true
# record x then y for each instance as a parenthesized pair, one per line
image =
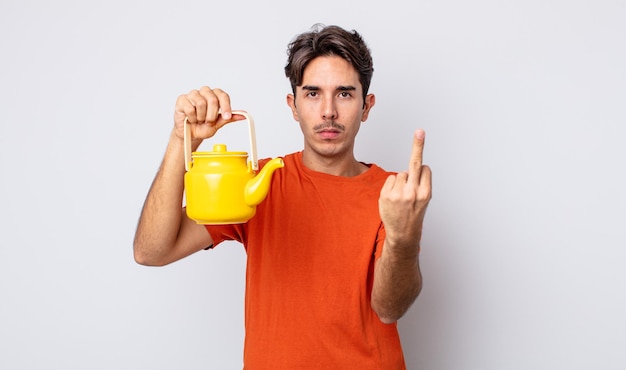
(397, 282)
(160, 219)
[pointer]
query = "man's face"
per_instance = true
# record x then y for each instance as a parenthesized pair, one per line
(329, 106)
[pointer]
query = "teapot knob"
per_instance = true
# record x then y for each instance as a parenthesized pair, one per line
(219, 148)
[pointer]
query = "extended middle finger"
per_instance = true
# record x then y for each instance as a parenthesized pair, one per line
(415, 163)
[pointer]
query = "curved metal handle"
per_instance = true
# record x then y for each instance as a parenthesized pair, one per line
(251, 133)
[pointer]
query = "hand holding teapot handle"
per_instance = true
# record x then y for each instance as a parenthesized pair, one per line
(206, 110)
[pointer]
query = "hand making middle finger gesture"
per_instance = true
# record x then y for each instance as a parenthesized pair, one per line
(404, 198)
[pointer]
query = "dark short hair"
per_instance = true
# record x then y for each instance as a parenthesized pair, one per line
(329, 41)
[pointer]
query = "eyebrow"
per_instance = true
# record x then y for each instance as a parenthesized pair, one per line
(339, 88)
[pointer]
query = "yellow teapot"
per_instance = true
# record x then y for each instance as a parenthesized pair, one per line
(221, 187)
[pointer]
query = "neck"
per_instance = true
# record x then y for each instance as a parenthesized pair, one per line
(347, 166)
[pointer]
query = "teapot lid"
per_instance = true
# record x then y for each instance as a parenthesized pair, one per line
(220, 150)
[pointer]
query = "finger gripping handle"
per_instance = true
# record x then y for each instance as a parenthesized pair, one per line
(254, 161)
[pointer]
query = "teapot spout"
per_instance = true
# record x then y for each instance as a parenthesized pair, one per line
(256, 188)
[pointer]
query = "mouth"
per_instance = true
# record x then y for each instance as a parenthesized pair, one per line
(328, 134)
(329, 130)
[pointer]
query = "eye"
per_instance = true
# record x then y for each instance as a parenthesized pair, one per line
(312, 94)
(345, 94)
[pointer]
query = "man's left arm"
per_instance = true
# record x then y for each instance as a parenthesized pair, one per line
(402, 204)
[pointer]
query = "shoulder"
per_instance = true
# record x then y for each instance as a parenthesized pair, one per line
(288, 158)
(376, 171)
(291, 164)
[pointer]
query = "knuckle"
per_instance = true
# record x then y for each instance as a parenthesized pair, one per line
(182, 102)
(424, 195)
(201, 103)
(211, 99)
(193, 93)
(220, 92)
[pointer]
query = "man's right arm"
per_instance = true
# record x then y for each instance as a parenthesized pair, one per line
(164, 233)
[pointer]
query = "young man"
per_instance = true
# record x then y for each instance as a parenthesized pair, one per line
(333, 251)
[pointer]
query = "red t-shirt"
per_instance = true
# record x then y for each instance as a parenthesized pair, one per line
(310, 250)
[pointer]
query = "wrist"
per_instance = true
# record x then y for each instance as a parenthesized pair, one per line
(178, 141)
(401, 251)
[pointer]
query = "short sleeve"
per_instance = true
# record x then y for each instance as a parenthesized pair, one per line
(220, 233)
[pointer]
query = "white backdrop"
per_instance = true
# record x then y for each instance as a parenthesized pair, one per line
(523, 105)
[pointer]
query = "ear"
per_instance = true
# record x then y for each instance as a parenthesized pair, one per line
(370, 100)
(291, 102)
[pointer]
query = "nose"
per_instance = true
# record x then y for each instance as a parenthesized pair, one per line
(329, 111)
